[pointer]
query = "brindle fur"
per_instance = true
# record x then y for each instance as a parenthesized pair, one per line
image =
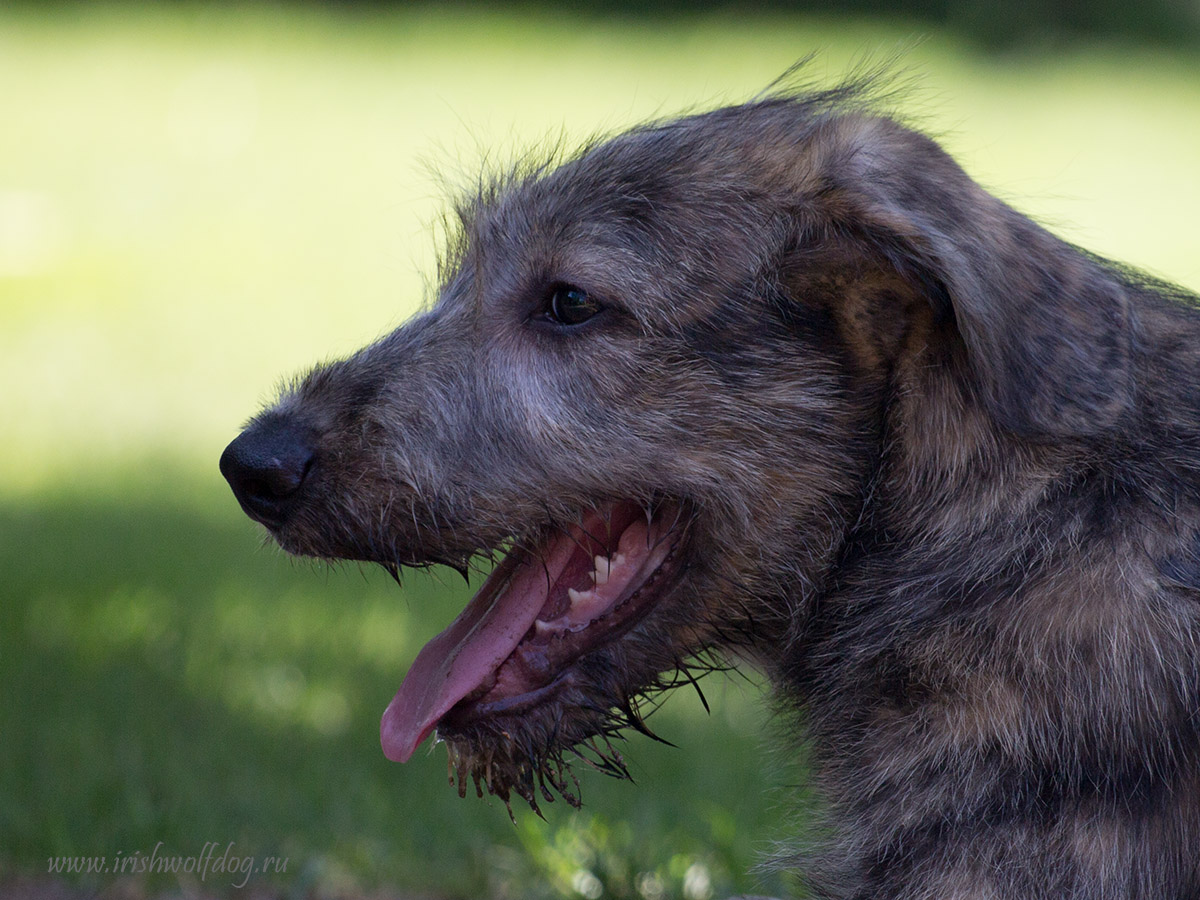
(941, 474)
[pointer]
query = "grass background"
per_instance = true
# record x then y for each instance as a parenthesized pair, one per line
(198, 200)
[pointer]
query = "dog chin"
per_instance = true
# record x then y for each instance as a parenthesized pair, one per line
(523, 750)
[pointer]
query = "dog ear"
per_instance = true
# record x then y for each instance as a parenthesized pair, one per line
(1047, 328)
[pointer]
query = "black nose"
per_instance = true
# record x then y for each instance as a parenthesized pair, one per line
(266, 466)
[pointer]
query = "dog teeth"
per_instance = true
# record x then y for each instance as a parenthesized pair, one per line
(603, 567)
(585, 606)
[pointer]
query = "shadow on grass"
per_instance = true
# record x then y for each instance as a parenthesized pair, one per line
(168, 685)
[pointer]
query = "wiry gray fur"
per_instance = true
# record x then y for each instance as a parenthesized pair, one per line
(940, 473)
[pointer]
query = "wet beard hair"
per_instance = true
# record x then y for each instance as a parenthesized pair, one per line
(530, 754)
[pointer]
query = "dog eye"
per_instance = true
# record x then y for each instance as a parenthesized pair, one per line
(571, 306)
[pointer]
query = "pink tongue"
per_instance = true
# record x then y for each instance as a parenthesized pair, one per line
(462, 657)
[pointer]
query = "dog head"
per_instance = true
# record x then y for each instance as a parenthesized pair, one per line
(657, 382)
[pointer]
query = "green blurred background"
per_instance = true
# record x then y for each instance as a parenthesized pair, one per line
(196, 201)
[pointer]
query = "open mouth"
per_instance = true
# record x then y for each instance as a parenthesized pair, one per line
(540, 611)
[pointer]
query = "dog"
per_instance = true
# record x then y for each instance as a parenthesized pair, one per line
(779, 385)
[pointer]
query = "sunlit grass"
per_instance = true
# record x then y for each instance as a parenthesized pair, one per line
(195, 202)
